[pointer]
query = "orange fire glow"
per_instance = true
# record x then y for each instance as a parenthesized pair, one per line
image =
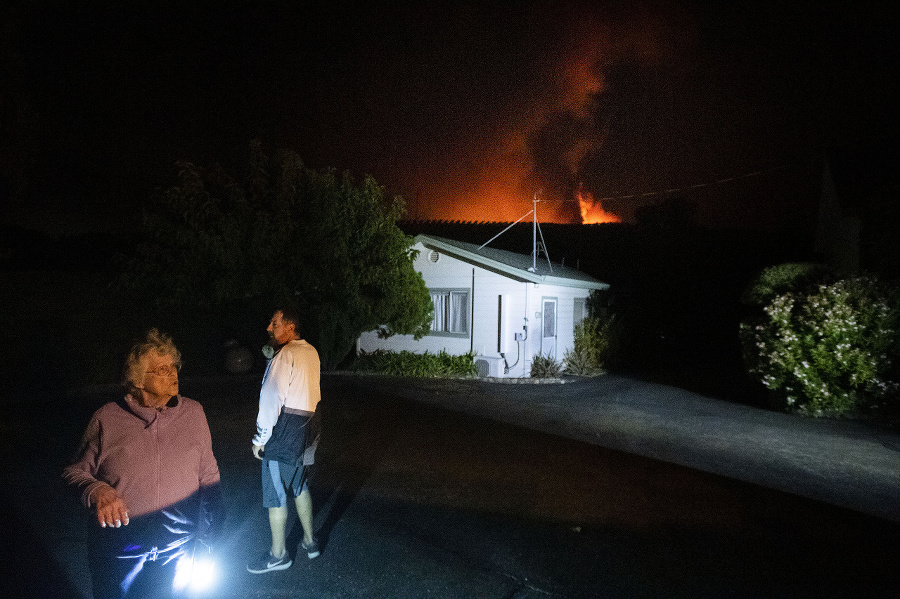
(592, 211)
(499, 175)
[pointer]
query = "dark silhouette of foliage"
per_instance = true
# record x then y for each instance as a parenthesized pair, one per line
(213, 245)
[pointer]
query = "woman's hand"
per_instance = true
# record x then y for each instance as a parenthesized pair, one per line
(111, 510)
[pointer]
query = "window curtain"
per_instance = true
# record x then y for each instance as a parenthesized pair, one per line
(458, 312)
(440, 312)
(450, 312)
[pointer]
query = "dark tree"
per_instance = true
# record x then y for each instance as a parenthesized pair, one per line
(216, 245)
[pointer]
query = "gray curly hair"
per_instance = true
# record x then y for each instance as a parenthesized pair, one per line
(135, 364)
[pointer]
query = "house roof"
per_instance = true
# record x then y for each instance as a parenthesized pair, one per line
(515, 266)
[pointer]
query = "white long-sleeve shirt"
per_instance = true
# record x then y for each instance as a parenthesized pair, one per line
(290, 384)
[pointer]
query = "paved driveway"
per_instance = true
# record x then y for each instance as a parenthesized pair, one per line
(850, 464)
(415, 502)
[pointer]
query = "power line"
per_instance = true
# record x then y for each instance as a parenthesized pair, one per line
(679, 189)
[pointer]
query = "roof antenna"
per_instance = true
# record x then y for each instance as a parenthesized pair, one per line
(504, 230)
(535, 231)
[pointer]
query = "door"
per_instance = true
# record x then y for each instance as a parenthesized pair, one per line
(548, 337)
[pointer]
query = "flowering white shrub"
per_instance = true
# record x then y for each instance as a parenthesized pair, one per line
(828, 351)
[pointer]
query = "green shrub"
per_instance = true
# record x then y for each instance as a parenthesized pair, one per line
(827, 351)
(406, 363)
(545, 367)
(784, 278)
(593, 338)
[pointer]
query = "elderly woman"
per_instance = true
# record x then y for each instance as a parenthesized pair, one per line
(145, 466)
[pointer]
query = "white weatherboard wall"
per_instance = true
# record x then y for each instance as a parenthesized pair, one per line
(522, 303)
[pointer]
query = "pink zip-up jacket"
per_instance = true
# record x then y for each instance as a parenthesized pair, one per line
(152, 459)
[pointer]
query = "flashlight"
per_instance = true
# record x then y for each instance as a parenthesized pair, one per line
(195, 572)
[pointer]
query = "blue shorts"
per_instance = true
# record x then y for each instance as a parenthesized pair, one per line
(279, 479)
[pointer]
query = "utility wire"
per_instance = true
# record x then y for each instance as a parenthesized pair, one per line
(677, 189)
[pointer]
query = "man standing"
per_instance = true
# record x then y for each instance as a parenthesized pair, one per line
(284, 441)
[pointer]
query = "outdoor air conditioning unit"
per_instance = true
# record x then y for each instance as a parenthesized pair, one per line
(489, 366)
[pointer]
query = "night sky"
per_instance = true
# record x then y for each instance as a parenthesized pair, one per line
(466, 109)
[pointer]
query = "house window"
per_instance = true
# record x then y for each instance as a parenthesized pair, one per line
(579, 311)
(549, 318)
(451, 311)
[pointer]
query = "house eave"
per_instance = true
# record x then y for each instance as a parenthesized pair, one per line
(505, 269)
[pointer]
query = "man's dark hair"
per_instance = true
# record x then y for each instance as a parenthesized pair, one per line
(290, 314)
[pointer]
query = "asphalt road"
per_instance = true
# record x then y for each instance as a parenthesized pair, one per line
(474, 489)
(847, 463)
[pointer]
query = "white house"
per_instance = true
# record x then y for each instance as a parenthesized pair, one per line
(503, 307)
